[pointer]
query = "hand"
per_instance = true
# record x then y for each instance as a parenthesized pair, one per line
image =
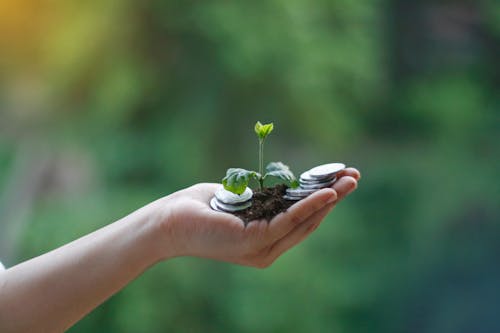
(80, 275)
(192, 228)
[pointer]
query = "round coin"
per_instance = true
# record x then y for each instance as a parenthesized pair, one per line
(326, 170)
(317, 180)
(286, 197)
(306, 176)
(229, 197)
(232, 208)
(318, 185)
(299, 192)
(214, 205)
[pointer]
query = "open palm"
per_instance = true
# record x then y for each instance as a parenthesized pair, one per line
(194, 229)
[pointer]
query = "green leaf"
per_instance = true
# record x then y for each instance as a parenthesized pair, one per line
(263, 130)
(237, 179)
(282, 171)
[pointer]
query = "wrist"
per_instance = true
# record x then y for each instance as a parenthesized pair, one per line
(158, 221)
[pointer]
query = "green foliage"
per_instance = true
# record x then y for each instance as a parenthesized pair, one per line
(237, 179)
(263, 131)
(133, 100)
(281, 171)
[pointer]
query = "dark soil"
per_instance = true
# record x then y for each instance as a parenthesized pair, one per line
(266, 204)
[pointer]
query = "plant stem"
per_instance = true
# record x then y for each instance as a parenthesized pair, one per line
(261, 163)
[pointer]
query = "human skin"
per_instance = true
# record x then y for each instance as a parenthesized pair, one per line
(53, 291)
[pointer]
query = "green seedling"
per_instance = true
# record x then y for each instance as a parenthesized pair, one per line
(237, 179)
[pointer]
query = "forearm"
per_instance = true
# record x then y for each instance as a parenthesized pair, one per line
(51, 292)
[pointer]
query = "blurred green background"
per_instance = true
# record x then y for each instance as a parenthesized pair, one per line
(107, 105)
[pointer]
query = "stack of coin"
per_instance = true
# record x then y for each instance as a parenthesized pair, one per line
(226, 201)
(313, 180)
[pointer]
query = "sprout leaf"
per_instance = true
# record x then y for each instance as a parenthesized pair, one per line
(282, 171)
(263, 130)
(237, 179)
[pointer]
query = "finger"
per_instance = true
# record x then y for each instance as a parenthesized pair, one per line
(344, 186)
(204, 191)
(284, 222)
(300, 232)
(352, 172)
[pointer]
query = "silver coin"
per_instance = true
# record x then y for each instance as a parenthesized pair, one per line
(318, 185)
(232, 208)
(299, 196)
(230, 198)
(317, 180)
(299, 191)
(306, 176)
(326, 169)
(214, 205)
(286, 197)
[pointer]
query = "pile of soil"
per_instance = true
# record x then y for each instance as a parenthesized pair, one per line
(266, 204)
